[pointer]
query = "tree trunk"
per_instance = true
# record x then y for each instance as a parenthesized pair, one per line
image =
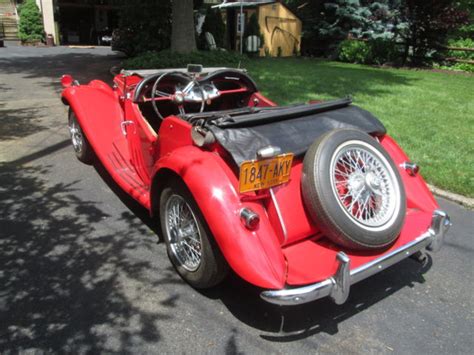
(183, 36)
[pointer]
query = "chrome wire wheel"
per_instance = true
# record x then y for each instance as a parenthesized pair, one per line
(77, 137)
(365, 185)
(183, 232)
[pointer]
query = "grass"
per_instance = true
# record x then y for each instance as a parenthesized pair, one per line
(431, 115)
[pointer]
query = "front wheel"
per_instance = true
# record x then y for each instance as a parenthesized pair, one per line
(190, 245)
(81, 145)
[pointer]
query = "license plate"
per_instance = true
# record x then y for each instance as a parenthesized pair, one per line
(263, 174)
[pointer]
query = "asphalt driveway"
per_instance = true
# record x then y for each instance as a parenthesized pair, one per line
(82, 268)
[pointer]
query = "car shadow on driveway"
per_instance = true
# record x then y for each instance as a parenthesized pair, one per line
(287, 324)
(61, 275)
(135, 208)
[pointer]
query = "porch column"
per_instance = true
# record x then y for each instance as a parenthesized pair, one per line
(47, 9)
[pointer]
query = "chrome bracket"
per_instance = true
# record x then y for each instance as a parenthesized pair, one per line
(124, 125)
(342, 279)
(280, 216)
(440, 224)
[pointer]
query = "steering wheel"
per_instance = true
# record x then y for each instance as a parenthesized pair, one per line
(180, 96)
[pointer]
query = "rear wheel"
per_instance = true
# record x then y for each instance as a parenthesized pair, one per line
(81, 145)
(353, 191)
(190, 245)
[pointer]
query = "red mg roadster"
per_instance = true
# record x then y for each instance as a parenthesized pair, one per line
(302, 200)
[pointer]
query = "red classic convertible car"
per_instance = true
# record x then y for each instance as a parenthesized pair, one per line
(302, 201)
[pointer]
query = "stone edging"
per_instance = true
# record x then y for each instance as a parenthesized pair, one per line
(463, 200)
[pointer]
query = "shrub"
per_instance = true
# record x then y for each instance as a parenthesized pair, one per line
(461, 43)
(31, 23)
(168, 59)
(463, 66)
(384, 51)
(377, 51)
(353, 51)
(144, 25)
(466, 55)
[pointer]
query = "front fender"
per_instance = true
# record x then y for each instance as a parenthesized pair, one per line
(255, 256)
(97, 108)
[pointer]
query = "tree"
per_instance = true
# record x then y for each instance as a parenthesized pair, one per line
(429, 23)
(31, 23)
(183, 38)
(367, 19)
(327, 23)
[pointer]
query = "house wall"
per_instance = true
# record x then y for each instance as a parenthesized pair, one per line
(280, 29)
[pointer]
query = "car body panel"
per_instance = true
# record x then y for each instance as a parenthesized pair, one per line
(311, 261)
(254, 255)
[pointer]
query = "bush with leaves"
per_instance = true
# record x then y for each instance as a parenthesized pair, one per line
(464, 55)
(30, 28)
(462, 43)
(144, 25)
(353, 51)
(385, 51)
(376, 51)
(168, 59)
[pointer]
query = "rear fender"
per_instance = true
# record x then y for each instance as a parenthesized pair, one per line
(417, 193)
(255, 256)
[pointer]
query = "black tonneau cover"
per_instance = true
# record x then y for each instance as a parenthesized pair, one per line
(293, 128)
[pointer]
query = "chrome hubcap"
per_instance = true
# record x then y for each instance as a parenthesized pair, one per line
(183, 233)
(76, 136)
(365, 185)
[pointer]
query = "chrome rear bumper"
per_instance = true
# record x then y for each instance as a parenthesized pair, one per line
(338, 286)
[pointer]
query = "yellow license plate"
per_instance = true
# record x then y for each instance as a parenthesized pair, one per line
(263, 174)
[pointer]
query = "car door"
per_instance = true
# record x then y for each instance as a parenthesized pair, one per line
(142, 142)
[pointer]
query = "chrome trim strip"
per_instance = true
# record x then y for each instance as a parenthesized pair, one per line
(338, 286)
(280, 217)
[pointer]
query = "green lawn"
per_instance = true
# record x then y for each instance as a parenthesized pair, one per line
(431, 115)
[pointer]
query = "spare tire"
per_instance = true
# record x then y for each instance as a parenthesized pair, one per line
(353, 190)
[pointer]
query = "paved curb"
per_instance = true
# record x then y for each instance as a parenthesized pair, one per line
(463, 200)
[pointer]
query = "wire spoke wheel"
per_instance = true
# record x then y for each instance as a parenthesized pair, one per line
(76, 136)
(364, 184)
(353, 190)
(183, 231)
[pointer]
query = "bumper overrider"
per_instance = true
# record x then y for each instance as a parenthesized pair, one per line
(338, 286)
